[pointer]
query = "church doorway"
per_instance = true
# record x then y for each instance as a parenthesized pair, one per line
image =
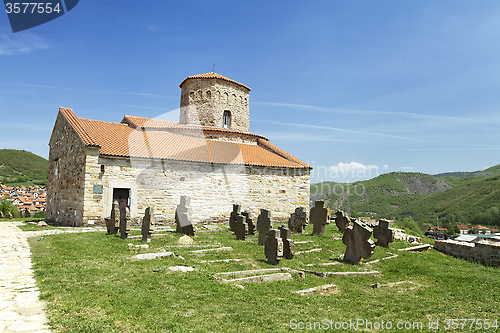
(122, 195)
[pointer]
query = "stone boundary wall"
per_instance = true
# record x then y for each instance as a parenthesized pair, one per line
(483, 252)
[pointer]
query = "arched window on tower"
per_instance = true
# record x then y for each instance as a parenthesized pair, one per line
(226, 120)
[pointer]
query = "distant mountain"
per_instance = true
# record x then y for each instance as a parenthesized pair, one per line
(493, 171)
(457, 194)
(383, 194)
(18, 166)
(466, 199)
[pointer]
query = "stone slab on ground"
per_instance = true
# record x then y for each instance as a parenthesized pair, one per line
(220, 260)
(309, 251)
(261, 278)
(419, 248)
(328, 274)
(325, 289)
(238, 274)
(151, 256)
(219, 249)
(181, 268)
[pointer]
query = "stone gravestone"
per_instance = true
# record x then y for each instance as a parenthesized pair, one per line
(383, 233)
(8, 215)
(1, 215)
(147, 224)
(125, 223)
(319, 217)
(113, 219)
(298, 220)
(274, 247)
(240, 227)
(341, 220)
(250, 225)
(357, 239)
(263, 225)
(236, 211)
(183, 217)
(288, 244)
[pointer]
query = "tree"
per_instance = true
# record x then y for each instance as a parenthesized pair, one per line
(7, 207)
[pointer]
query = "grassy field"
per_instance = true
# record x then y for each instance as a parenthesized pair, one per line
(91, 284)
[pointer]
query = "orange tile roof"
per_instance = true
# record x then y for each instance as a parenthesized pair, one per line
(172, 126)
(462, 227)
(212, 75)
(120, 139)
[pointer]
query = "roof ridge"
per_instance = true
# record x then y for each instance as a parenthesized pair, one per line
(282, 153)
(75, 123)
(212, 75)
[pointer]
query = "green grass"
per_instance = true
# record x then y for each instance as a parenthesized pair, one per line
(91, 284)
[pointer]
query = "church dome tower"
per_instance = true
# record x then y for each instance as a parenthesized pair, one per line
(214, 100)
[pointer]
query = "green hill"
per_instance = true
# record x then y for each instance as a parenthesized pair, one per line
(382, 195)
(20, 166)
(466, 197)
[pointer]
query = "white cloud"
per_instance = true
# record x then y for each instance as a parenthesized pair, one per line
(21, 43)
(345, 170)
(406, 168)
(386, 166)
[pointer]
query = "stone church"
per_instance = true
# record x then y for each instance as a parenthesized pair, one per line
(209, 155)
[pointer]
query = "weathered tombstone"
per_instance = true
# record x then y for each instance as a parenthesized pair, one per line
(114, 219)
(319, 217)
(250, 225)
(273, 247)
(125, 223)
(341, 220)
(263, 225)
(1, 215)
(288, 244)
(8, 215)
(240, 227)
(183, 217)
(357, 239)
(383, 233)
(236, 211)
(298, 220)
(147, 224)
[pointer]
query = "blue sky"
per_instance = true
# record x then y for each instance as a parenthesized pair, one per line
(354, 88)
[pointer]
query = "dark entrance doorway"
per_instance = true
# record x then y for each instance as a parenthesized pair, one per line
(122, 195)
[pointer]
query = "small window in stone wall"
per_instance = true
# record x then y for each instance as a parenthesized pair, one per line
(217, 96)
(226, 97)
(226, 120)
(209, 94)
(200, 94)
(191, 95)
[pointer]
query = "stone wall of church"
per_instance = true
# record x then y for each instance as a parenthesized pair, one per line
(203, 102)
(66, 172)
(212, 188)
